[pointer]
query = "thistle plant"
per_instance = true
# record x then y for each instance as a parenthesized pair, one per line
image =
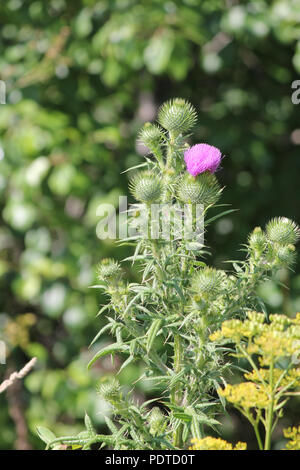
(180, 299)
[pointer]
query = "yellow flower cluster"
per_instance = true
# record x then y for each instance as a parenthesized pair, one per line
(294, 435)
(290, 379)
(246, 395)
(264, 345)
(270, 341)
(212, 443)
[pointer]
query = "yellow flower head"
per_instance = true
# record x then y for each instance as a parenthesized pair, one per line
(212, 443)
(294, 435)
(246, 395)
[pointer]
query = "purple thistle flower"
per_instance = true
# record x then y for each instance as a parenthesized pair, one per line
(202, 157)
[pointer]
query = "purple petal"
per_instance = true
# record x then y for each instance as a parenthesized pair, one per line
(202, 157)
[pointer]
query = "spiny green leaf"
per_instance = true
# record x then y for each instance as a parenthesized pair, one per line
(111, 349)
(152, 333)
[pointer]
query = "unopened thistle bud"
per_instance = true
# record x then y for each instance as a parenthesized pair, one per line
(208, 281)
(146, 187)
(283, 231)
(108, 269)
(257, 240)
(156, 421)
(205, 189)
(151, 135)
(177, 116)
(286, 255)
(110, 391)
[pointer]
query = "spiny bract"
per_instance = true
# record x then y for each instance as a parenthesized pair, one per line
(208, 281)
(109, 390)
(283, 231)
(177, 115)
(151, 135)
(108, 269)
(257, 239)
(146, 187)
(205, 189)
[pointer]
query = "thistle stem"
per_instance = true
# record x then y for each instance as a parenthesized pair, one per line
(176, 393)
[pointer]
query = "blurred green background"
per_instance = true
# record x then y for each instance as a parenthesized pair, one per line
(81, 78)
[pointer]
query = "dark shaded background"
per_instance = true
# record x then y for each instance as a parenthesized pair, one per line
(81, 78)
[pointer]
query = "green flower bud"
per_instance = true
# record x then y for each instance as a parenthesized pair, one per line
(177, 115)
(283, 231)
(108, 269)
(257, 239)
(110, 391)
(205, 189)
(156, 421)
(151, 135)
(286, 255)
(146, 187)
(208, 281)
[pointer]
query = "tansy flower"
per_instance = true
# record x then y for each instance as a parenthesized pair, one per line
(212, 443)
(201, 158)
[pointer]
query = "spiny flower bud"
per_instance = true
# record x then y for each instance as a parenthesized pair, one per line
(110, 391)
(150, 135)
(156, 421)
(205, 189)
(208, 281)
(108, 269)
(146, 187)
(257, 239)
(283, 231)
(286, 255)
(177, 115)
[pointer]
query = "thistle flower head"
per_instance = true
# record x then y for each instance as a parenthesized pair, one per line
(257, 239)
(283, 231)
(108, 269)
(201, 158)
(208, 281)
(203, 190)
(151, 135)
(286, 255)
(156, 421)
(177, 115)
(146, 187)
(110, 390)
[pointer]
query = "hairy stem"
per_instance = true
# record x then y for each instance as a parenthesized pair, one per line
(176, 394)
